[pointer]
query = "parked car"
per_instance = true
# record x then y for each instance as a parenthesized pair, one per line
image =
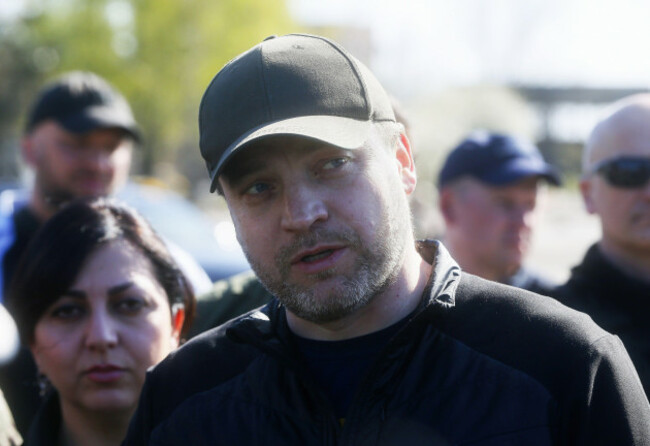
(212, 244)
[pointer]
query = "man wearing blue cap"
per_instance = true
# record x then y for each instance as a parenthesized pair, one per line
(489, 187)
(371, 338)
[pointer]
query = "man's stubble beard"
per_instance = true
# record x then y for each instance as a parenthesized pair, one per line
(375, 269)
(55, 195)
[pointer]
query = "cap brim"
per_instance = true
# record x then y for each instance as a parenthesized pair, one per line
(345, 133)
(519, 168)
(94, 118)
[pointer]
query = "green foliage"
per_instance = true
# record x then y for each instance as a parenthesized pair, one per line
(160, 53)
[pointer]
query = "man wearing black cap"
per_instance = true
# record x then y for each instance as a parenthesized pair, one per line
(371, 338)
(78, 142)
(489, 187)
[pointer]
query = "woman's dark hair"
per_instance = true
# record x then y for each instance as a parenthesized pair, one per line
(56, 254)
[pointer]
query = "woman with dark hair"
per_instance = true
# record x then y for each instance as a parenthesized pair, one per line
(98, 300)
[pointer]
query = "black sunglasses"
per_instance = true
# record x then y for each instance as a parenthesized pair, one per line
(625, 172)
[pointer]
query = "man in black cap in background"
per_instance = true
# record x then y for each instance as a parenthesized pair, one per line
(78, 142)
(371, 338)
(489, 189)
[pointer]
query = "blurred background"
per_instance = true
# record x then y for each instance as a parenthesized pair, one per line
(541, 69)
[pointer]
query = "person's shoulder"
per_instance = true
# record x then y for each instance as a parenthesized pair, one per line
(575, 294)
(212, 343)
(534, 334)
(206, 362)
(202, 363)
(228, 299)
(589, 287)
(532, 280)
(218, 352)
(531, 332)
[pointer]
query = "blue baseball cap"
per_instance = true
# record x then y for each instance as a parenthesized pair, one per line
(496, 159)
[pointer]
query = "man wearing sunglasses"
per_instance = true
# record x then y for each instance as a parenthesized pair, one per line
(612, 284)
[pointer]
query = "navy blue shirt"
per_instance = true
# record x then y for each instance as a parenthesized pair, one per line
(339, 366)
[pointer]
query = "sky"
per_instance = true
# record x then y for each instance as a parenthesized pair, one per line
(430, 44)
(417, 47)
(420, 46)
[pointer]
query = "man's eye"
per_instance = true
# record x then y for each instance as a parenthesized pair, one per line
(108, 150)
(257, 188)
(67, 311)
(335, 163)
(70, 146)
(504, 204)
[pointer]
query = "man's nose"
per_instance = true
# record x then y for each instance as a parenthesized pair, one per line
(303, 206)
(521, 216)
(97, 158)
(101, 331)
(646, 190)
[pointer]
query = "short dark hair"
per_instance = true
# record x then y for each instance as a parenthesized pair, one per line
(56, 254)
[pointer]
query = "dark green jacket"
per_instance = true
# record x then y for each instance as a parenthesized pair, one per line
(228, 298)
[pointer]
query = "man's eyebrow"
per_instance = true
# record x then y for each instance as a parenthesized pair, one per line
(242, 165)
(239, 168)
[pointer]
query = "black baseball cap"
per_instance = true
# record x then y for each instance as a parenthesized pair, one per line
(296, 84)
(496, 159)
(80, 102)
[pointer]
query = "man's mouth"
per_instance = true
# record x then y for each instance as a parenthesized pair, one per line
(318, 259)
(311, 258)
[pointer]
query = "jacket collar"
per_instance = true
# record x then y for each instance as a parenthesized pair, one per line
(444, 280)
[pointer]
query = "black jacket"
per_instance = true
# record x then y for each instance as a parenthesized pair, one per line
(479, 363)
(45, 430)
(532, 281)
(617, 302)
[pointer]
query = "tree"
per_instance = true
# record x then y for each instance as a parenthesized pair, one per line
(160, 53)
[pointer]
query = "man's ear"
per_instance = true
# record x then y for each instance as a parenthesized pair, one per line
(406, 164)
(587, 190)
(28, 150)
(446, 204)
